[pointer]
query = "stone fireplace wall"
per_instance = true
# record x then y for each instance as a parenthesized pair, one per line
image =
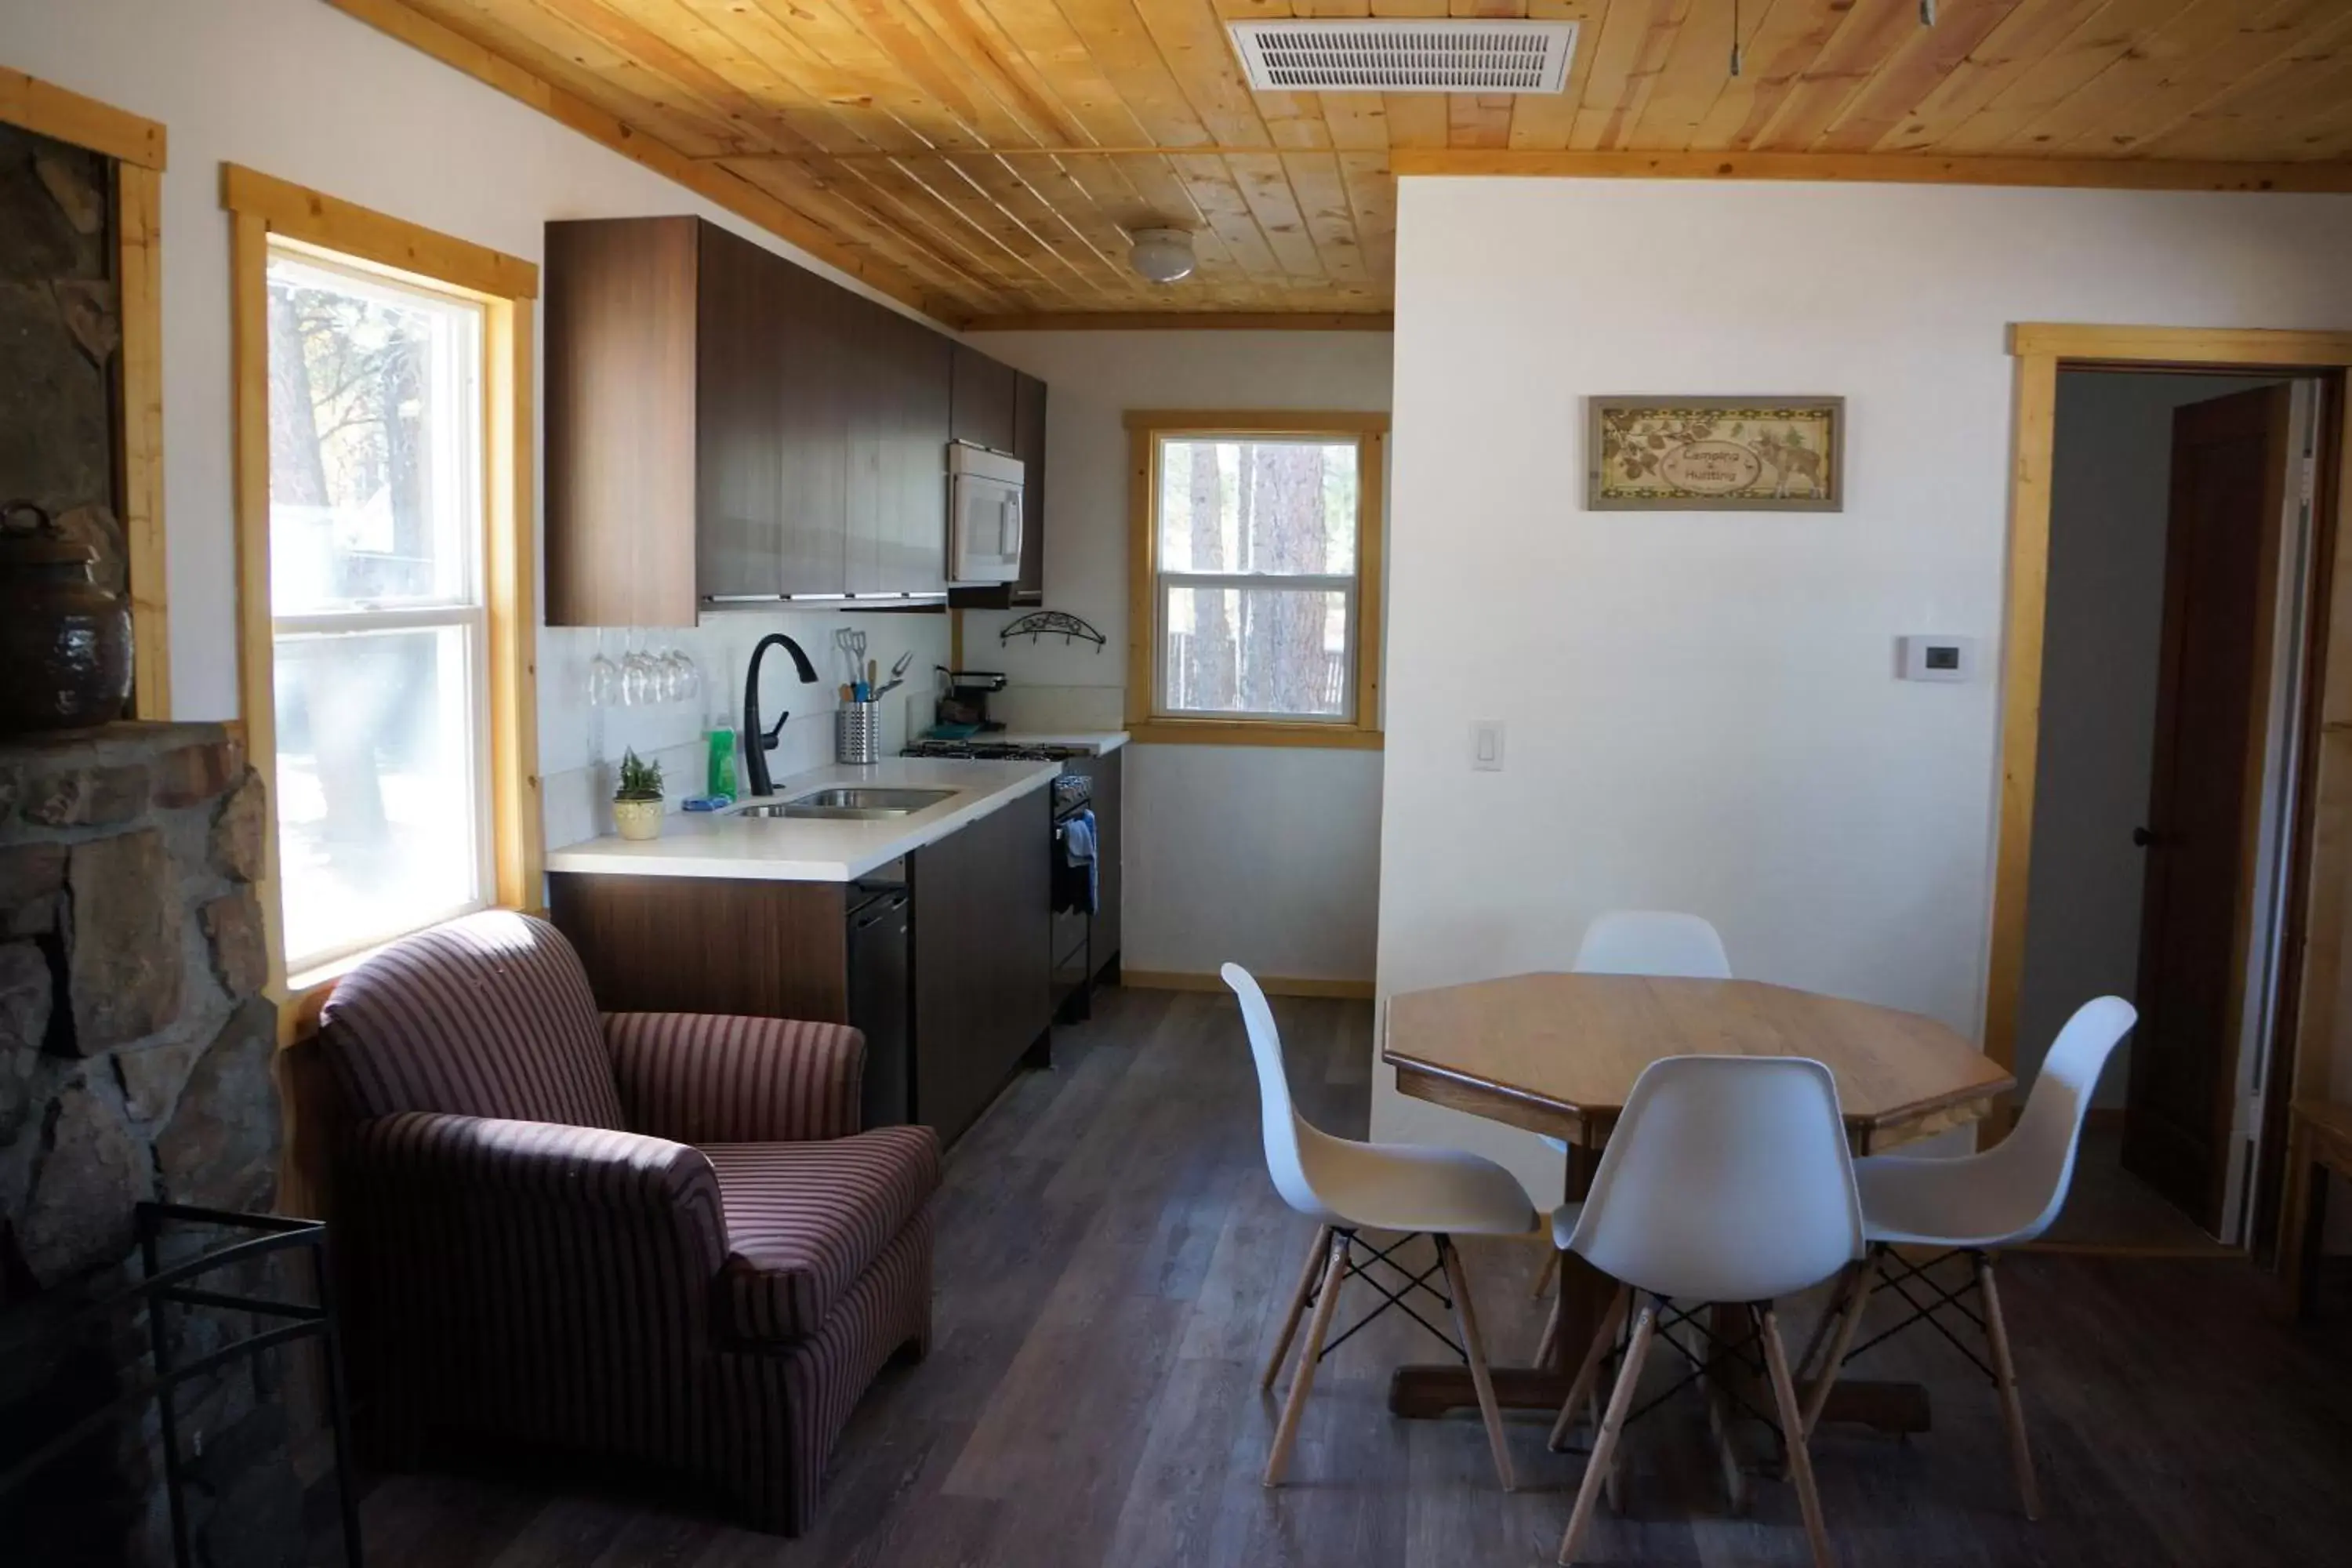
(136, 1062)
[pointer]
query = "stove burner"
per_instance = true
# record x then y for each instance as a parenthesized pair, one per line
(992, 752)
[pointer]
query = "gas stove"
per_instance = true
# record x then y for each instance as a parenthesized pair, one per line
(977, 749)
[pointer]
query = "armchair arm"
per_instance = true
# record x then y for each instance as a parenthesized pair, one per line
(535, 1280)
(706, 1078)
(424, 1159)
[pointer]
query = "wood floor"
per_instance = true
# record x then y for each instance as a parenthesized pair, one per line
(1112, 1267)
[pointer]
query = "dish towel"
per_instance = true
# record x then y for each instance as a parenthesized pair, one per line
(1079, 855)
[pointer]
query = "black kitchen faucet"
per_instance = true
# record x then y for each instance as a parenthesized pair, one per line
(759, 743)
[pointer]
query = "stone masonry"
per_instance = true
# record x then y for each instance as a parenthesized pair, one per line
(136, 1049)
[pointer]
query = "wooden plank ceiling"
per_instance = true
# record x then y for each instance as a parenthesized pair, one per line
(985, 158)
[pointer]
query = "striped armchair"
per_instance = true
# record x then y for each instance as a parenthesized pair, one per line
(656, 1237)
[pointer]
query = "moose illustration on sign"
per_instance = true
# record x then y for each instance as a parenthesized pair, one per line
(1716, 454)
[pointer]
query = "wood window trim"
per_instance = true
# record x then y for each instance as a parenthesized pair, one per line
(1145, 427)
(2041, 350)
(138, 147)
(259, 208)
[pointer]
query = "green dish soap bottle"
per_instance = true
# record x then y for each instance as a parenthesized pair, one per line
(721, 779)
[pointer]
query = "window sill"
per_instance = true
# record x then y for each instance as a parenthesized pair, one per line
(1251, 732)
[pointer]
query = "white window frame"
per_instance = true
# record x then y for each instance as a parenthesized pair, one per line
(468, 613)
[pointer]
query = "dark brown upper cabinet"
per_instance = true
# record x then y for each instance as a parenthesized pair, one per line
(986, 395)
(725, 426)
(622, 448)
(1028, 443)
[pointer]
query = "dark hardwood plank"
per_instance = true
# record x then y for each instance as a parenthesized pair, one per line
(1111, 1270)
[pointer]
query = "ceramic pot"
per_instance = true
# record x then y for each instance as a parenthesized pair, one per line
(65, 642)
(638, 819)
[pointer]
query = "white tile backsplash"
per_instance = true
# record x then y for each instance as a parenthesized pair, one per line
(580, 744)
(1060, 710)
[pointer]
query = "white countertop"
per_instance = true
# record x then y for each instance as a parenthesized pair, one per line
(812, 849)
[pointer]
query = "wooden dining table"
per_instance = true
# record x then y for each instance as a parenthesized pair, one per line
(1558, 1054)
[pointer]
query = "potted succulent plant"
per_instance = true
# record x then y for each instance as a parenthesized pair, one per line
(637, 804)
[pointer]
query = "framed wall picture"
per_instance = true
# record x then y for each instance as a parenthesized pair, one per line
(1716, 454)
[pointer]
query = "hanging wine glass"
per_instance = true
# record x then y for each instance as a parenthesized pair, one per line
(604, 678)
(637, 676)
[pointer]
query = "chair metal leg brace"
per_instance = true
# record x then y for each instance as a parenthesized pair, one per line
(1396, 1298)
(1339, 1248)
(2000, 1371)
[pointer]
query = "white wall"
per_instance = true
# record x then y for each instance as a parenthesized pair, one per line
(1702, 707)
(1267, 856)
(2110, 490)
(300, 90)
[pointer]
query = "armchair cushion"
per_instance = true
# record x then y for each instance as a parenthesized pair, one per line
(711, 1079)
(805, 1220)
(490, 1015)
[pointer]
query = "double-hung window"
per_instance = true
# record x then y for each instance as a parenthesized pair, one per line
(1256, 596)
(378, 617)
(385, 608)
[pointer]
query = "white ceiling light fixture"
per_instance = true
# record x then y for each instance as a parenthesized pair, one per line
(1162, 255)
(1405, 56)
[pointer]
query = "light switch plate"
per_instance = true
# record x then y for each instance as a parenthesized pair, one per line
(1938, 657)
(1486, 745)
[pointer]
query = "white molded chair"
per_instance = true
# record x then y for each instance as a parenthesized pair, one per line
(1975, 1205)
(1640, 942)
(1727, 1179)
(1652, 942)
(1346, 1186)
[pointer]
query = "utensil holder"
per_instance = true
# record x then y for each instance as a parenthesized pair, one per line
(857, 732)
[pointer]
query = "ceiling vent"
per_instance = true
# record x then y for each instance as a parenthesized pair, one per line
(1406, 56)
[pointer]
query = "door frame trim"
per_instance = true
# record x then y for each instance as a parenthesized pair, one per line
(2321, 857)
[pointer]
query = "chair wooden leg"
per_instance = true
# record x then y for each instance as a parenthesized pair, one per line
(1849, 1323)
(1792, 1430)
(1604, 1443)
(1549, 1272)
(1548, 1347)
(1581, 1392)
(1839, 1302)
(2013, 1411)
(1335, 1271)
(1317, 1257)
(1465, 1323)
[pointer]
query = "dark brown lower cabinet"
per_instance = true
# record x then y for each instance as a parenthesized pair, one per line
(981, 983)
(982, 964)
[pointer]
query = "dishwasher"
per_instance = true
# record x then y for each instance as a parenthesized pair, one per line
(880, 1003)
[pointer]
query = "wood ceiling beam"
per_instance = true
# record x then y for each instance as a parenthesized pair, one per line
(714, 184)
(1881, 168)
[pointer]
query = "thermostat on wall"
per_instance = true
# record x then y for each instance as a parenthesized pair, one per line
(1938, 658)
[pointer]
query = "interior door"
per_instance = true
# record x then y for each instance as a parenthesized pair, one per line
(2230, 466)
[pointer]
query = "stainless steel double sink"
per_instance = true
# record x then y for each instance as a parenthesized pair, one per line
(851, 804)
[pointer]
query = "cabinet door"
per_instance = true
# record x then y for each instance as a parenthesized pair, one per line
(867, 422)
(923, 363)
(982, 963)
(621, 329)
(1029, 445)
(985, 398)
(814, 445)
(739, 540)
